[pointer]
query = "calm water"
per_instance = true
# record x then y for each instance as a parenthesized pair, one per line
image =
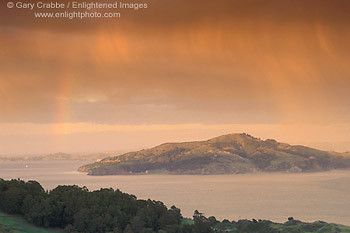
(308, 197)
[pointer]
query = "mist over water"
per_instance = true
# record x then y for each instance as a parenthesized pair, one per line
(274, 196)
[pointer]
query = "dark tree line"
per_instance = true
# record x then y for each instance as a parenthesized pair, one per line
(76, 209)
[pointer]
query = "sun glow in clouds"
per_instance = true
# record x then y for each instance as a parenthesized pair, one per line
(276, 69)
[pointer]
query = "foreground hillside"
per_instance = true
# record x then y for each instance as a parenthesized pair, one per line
(228, 154)
(14, 224)
(75, 209)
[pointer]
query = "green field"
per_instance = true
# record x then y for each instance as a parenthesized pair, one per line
(13, 224)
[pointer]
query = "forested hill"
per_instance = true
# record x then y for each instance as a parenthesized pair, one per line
(75, 209)
(227, 154)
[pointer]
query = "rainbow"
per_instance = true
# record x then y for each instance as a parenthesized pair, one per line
(61, 109)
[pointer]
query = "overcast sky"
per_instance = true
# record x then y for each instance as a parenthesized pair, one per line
(179, 70)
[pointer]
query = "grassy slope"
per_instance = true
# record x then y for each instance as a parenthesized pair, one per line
(328, 228)
(302, 227)
(15, 224)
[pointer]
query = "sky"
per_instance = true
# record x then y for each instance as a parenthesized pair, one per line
(176, 71)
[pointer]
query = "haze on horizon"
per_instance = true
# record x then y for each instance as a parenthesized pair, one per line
(177, 71)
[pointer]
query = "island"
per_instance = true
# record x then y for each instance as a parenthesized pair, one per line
(227, 154)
